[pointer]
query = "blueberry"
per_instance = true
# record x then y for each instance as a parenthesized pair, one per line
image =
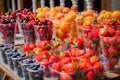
(34, 68)
(22, 55)
(30, 61)
(5, 48)
(37, 65)
(8, 51)
(14, 50)
(1, 45)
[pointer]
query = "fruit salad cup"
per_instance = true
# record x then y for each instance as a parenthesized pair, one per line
(28, 32)
(110, 50)
(8, 33)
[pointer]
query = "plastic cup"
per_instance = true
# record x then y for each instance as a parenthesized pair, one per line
(43, 32)
(9, 53)
(3, 48)
(16, 57)
(27, 32)
(35, 73)
(60, 75)
(8, 33)
(91, 38)
(46, 70)
(24, 64)
(110, 51)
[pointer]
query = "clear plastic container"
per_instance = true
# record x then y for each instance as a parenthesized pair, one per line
(46, 70)
(110, 51)
(24, 64)
(3, 48)
(35, 73)
(28, 32)
(91, 38)
(43, 32)
(61, 75)
(16, 57)
(8, 33)
(9, 53)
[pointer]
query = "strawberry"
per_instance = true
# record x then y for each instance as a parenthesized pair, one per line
(117, 34)
(32, 46)
(105, 52)
(26, 47)
(89, 54)
(93, 34)
(113, 61)
(114, 40)
(69, 68)
(89, 76)
(112, 50)
(111, 31)
(98, 68)
(108, 22)
(56, 66)
(117, 22)
(103, 32)
(94, 59)
(65, 76)
(53, 58)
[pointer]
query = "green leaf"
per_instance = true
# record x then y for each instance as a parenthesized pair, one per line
(94, 43)
(105, 45)
(80, 74)
(118, 40)
(66, 41)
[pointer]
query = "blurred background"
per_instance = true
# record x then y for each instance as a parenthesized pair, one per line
(7, 4)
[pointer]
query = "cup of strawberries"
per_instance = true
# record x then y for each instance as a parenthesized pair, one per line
(110, 43)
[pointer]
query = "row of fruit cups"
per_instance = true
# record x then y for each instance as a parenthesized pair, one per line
(25, 67)
(65, 64)
(66, 29)
(58, 55)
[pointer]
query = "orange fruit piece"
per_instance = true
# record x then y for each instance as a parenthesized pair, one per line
(65, 10)
(41, 15)
(46, 9)
(59, 33)
(107, 14)
(116, 14)
(59, 15)
(64, 27)
(38, 10)
(102, 12)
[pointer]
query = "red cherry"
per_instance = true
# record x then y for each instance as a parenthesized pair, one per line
(28, 26)
(41, 30)
(49, 23)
